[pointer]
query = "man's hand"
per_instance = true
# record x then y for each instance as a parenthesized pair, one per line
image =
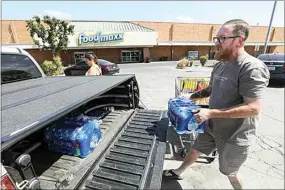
(202, 115)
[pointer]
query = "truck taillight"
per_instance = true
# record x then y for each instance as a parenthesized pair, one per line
(283, 67)
(6, 183)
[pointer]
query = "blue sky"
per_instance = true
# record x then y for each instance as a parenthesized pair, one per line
(254, 12)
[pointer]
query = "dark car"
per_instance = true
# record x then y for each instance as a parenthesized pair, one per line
(107, 67)
(275, 64)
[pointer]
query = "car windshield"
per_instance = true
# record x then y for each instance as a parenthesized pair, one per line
(17, 68)
(272, 57)
(104, 62)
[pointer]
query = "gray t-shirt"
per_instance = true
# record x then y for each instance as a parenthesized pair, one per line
(247, 77)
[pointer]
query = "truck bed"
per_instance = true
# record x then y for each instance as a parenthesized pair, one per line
(58, 170)
(51, 97)
(135, 158)
(130, 156)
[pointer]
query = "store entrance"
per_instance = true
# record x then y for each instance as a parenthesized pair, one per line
(131, 56)
(80, 56)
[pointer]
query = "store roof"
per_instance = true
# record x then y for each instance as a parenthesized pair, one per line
(110, 26)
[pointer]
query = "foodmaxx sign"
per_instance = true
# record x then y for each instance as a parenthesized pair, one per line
(97, 38)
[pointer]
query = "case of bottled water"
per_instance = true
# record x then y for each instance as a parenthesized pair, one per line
(180, 113)
(77, 136)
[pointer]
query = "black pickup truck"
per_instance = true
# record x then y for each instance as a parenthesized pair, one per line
(130, 155)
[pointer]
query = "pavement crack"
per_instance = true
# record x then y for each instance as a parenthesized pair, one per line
(270, 147)
(266, 174)
(272, 118)
(265, 142)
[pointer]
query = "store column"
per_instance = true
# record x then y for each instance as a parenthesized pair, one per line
(146, 53)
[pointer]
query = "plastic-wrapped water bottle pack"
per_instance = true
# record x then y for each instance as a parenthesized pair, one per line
(180, 113)
(77, 136)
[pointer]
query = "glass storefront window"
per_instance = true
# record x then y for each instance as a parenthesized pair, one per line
(130, 56)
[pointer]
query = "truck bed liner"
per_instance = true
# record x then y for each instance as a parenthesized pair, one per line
(21, 99)
(129, 157)
(135, 159)
(63, 166)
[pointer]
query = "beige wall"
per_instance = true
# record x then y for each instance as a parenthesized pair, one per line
(278, 49)
(159, 51)
(205, 32)
(163, 28)
(278, 35)
(257, 34)
(167, 31)
(192, 32)
(21, 33)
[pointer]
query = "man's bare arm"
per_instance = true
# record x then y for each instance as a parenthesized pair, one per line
(202, 93)
(250, 107)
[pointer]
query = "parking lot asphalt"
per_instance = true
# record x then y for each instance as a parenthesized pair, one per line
(264, 168)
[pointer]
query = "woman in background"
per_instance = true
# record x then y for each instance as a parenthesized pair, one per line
(94, 69)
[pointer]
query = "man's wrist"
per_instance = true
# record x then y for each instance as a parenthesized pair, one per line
(214, 113)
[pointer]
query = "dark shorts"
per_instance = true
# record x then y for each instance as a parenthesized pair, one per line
(231, 156)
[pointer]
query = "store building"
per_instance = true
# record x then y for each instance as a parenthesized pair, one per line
(119, 42)
(127, 42)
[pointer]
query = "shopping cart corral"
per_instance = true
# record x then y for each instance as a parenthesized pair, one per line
(186, 86)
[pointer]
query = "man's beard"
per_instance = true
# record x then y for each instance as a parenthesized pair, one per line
(223, 54)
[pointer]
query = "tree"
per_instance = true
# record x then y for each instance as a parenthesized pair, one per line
(52, 34)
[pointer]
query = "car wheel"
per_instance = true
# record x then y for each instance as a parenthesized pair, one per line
(67, 73)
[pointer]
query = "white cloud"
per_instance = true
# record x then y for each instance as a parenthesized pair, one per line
(185, 19)
(58, 14)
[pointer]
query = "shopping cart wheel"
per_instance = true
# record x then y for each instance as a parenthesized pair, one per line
(183, 153)
(214, 154)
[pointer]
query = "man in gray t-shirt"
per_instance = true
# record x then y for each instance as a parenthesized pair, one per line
(236, 88)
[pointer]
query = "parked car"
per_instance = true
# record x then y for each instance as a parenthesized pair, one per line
(108, 68)
(275, 64)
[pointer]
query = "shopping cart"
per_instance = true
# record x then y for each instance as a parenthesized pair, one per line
(186, 86)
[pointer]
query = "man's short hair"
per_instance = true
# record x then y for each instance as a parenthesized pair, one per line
(241, 28)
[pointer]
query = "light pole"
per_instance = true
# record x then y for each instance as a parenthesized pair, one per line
(269, 28)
